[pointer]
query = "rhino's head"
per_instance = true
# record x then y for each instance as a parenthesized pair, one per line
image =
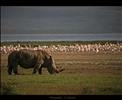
(52, 69)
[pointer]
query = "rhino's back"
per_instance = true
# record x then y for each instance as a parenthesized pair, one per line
(27, 58)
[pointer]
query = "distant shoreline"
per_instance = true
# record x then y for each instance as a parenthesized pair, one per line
(61, 37)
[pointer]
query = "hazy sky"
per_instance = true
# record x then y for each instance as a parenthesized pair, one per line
(61, 19)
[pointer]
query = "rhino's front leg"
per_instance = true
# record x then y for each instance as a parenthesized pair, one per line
(36, 68)
(40, 70)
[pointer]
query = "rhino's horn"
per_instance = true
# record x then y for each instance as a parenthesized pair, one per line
(59, 70)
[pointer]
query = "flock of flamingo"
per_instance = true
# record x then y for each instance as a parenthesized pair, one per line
(66, 48)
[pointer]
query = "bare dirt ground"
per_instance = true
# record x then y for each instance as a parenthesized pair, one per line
(89, 62)
(83, 61)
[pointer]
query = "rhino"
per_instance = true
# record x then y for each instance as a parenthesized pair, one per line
(36, 59)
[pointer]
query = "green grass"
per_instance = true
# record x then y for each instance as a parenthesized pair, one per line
(62, 83)
(7, 88)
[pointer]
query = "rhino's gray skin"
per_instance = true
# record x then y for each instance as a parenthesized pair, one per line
(31, 59)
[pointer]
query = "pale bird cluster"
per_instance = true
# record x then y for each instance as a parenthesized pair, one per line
(67, 48)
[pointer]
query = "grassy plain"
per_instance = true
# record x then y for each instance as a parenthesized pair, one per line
(85, 74)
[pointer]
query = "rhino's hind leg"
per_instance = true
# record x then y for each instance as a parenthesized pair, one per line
(9, 69)
(15, 70)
